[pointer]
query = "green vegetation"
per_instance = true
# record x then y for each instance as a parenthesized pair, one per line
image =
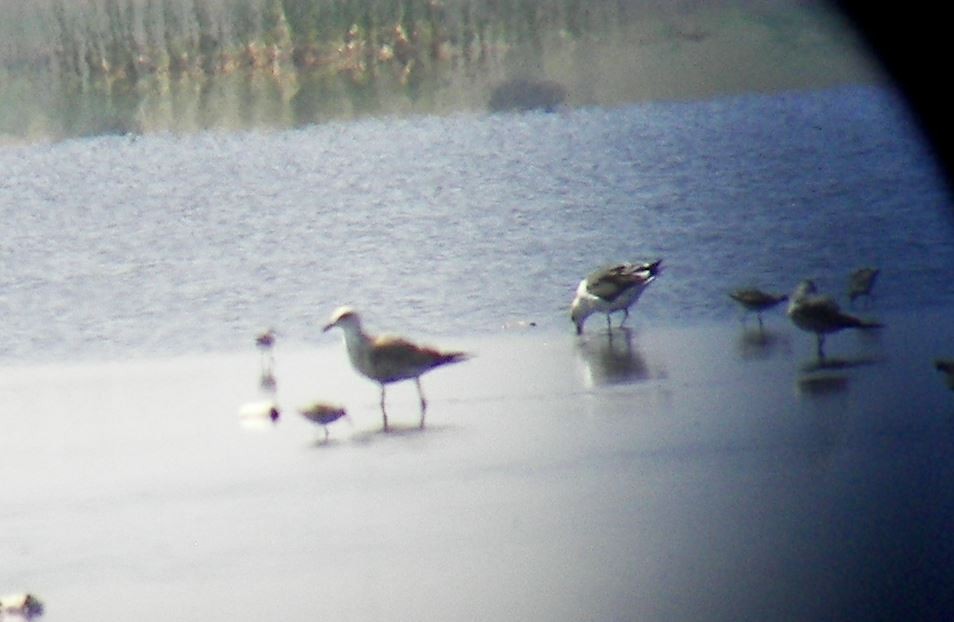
(74, 67)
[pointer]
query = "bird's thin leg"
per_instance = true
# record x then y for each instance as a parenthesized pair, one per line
(420, 394)
(625, 317)
(326, 432)
(821, 347)
(384, 413)
(609, 323)
(761, 326)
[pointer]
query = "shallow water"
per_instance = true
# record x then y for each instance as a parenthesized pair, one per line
(169, 244)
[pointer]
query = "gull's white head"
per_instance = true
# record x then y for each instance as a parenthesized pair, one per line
(581, 308)
(345, 318)
(805, 288)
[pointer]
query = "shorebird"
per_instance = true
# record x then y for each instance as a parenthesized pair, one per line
(611, 289)
(265, 342)
(756, 300)
(860, 283)
(946, 366)
(387, 359)
(323, 414)
(820, 314)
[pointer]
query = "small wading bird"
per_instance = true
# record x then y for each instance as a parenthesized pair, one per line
(757, 301)
(860, 283)
(946, 366)
(386, 359)
(323, 415)
(611, 289)
(820, 314)
(265, 342)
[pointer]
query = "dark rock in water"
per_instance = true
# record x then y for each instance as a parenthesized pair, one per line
(527, 94)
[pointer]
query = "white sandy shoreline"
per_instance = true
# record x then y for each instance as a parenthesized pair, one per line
(681, 474)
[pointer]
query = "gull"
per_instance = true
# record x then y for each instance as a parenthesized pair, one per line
(860, 283)
(387, 359)
(323, 414)
(946, 366)
(611, 289)
(820, 314)
(756, 300)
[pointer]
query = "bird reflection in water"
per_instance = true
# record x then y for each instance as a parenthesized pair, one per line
(758, 343)
(822, 386)
(610, 358)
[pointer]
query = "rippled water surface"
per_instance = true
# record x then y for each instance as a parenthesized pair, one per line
(158, 244)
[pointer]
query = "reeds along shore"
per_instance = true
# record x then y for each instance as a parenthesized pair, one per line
(123, 56)
(73, 67)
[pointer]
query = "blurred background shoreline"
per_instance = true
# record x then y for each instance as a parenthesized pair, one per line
(73, 68)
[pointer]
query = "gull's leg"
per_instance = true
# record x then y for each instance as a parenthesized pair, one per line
(384, 413)
(420, 394)
(625, 317)
(821, 347)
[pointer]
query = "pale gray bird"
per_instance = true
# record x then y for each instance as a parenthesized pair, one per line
(386, 359)
(611, 289)
(820, 314)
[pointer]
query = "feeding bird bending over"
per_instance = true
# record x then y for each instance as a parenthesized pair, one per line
(386, 359)
(611, 289)
(820, 314)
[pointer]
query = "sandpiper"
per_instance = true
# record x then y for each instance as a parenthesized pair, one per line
(946, 366)
(820, 314)
(757, 301)
(860, 283)
(387, 359)
(611, 289)
(323, 414)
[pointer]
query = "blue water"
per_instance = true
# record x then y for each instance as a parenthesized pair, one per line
(168, 244)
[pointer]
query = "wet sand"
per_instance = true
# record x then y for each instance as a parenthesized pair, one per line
(662, 473)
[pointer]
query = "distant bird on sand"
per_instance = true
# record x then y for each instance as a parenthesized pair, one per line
(820, 314)
(386, 359)
(757, 301)
(323, 414)
(946, 366)
(611, 289)
(861, 282)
